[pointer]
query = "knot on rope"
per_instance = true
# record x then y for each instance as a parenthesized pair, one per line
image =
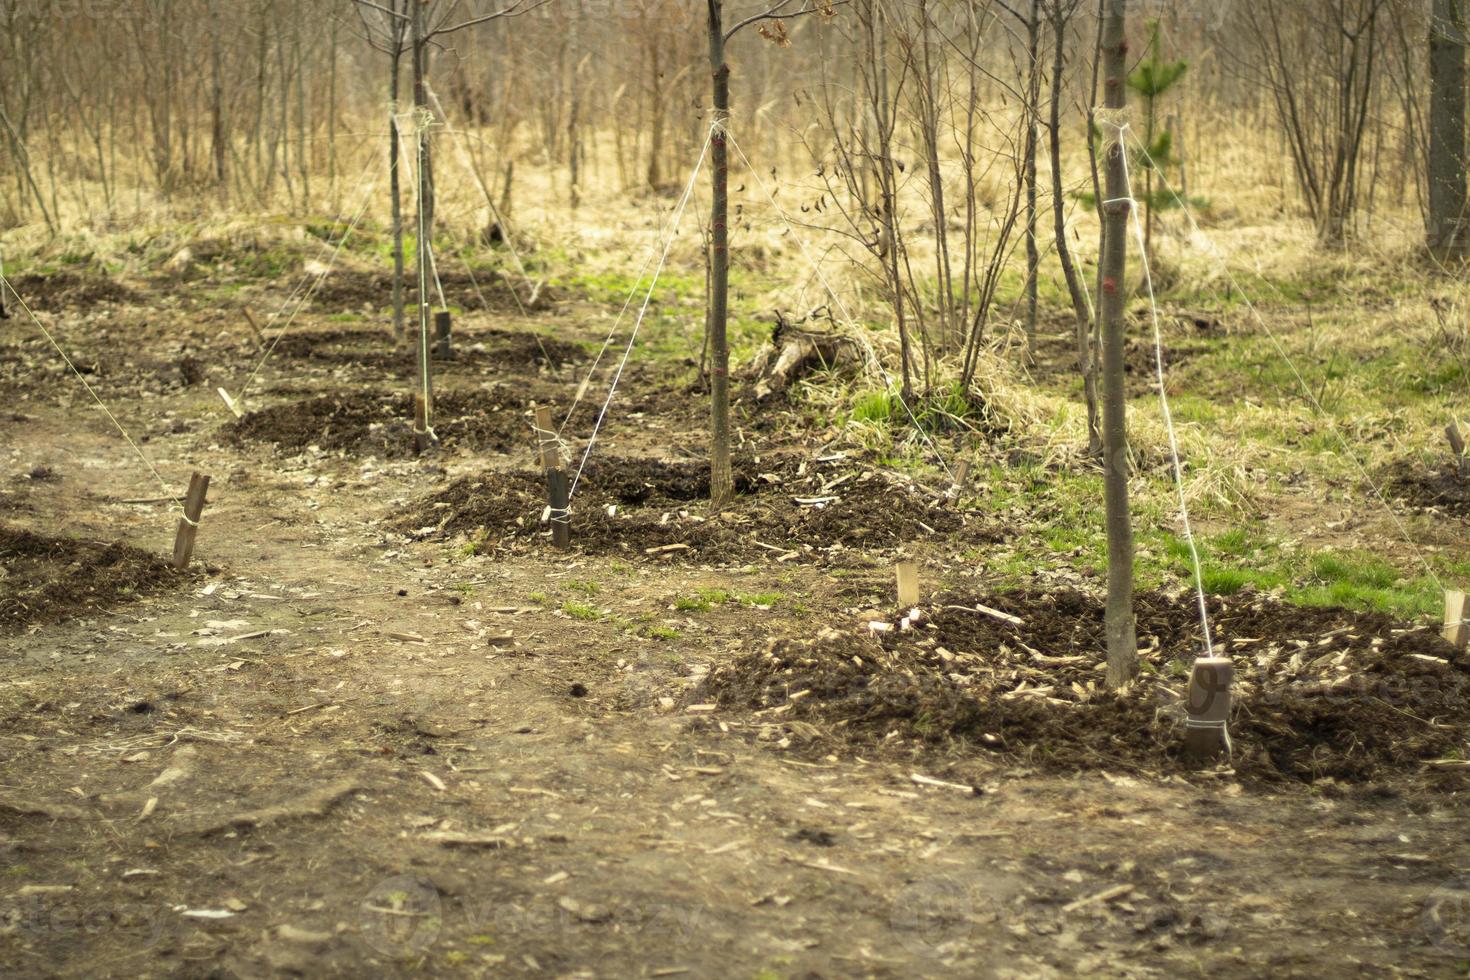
(1114, 123)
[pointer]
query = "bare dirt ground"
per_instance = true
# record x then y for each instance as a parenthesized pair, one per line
(367, 738)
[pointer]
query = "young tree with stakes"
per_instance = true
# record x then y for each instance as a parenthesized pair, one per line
(424, 29)
(772, 26)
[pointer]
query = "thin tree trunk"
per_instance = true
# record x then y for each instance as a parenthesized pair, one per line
(1119, 624)
(395, 154)
(1033, 110)
(722, 484)
(1080, 312)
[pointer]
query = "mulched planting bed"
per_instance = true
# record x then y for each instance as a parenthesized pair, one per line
(1319, 692)
(58, 290)
(374, 349)
(349, 289)
(46, 580)
(1440, 489)
(787, 508)
(377, 423)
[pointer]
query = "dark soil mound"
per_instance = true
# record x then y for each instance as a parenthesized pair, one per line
(635, 507)
(350, 289)
(1320, 692)
(58, 290)
(375, 349)
(1439, 489)
(46, 580)
(382, 424)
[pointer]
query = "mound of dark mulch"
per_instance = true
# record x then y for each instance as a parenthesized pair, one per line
(352, 289)
(1440, 488)
(58, 290)
(375, 349)
(1320, 692)
(372, 423)
(786, 506)
(47, 580)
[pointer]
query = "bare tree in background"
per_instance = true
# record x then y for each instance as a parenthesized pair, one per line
(1318, 60)
(772, 24)
(1058, 15)
(425, 26)
(386, 29)
(1447, 235)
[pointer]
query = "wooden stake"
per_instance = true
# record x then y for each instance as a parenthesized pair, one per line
(908, 583)
(1457, 443)
(561, 521)
(546, 439)
(254, 328)
(189, 524)
(1206, 736)
(441, 335)
(1456, 612)
(421, 440)
(557, 486)
(961, 474)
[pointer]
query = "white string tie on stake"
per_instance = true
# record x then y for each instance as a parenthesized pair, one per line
(1117, 119)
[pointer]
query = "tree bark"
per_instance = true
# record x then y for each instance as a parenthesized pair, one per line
(1447, 237)
(1119, 624)
(722, 484)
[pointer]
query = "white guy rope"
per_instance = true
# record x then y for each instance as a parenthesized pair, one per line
(837, 301)
(643, 311)
(1281, 351)
(92, 391)
(1148, 278)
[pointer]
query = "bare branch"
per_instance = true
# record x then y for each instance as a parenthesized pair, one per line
(807, 7)
(516, 8)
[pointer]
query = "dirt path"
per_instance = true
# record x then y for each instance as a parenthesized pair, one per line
(341, 754)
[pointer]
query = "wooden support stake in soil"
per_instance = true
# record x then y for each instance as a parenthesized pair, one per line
(1206, 736)
(1456, 612)
(908, 583)
(1457, 443)
(421, 440)
(189, 524)
(558, 488)
(441, 335)
(961, 474)
(254, 328)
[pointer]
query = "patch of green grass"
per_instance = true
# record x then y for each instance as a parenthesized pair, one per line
(1352, 579)
(585, 587)
(581, 611)
(702, 601)
(658, 632)
(759, 600)
(540, 598)
(875, 406)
